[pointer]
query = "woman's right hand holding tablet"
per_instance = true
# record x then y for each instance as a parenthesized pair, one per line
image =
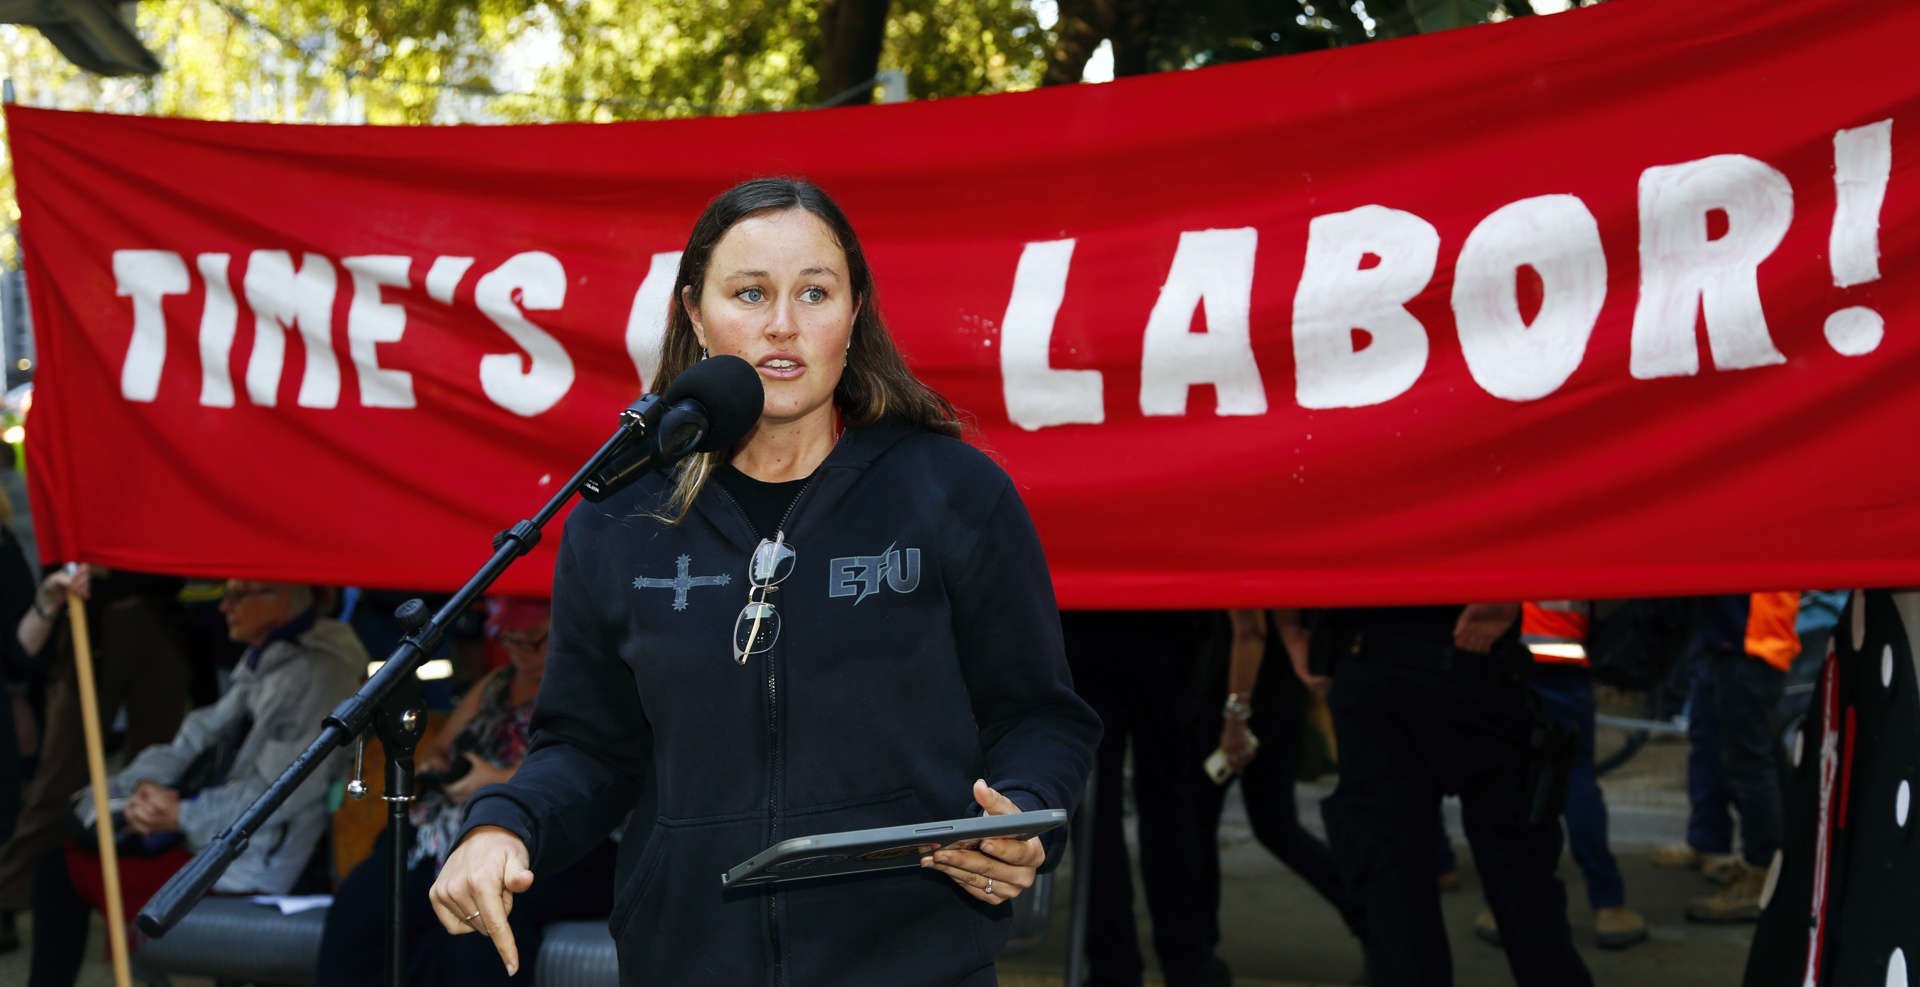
(475, 889)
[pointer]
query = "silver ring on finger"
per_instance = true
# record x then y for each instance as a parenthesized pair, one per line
(469, 919)
(989, 885)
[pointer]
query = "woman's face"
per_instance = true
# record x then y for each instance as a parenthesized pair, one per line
(778, 294)
(527, 646)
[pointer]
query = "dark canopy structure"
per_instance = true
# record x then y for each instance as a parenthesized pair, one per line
(97, 35)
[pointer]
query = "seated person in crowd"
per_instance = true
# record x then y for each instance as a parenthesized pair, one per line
(180, 795)
(140, 668)
(482, 743)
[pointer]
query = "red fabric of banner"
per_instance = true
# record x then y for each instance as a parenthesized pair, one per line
(1606, 303)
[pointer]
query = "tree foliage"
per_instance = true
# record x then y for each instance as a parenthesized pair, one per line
(443, 61)
(961, 49)
(438, 61)
(681, 57)
(622, 60)
(1166, 35)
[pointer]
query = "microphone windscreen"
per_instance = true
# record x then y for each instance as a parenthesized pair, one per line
(731, 391)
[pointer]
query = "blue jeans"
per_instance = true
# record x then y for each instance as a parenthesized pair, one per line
(1735, 760)
(1566, 698)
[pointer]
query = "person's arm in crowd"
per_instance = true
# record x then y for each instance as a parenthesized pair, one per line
(49, 601)
(164, 764)
(482, 774)
(148, 780)
(1294, 636)
(153, 809)
(1249, 649)
(437, 755)
(1481, 624)
(287, 704)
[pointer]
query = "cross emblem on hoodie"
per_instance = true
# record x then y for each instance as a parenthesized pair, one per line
(681, 582)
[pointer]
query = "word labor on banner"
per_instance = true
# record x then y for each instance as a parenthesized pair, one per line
(1355, 343)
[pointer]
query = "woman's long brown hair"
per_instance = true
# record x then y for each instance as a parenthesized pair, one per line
(876, 385)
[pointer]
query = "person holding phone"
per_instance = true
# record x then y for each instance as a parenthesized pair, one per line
(843, 622)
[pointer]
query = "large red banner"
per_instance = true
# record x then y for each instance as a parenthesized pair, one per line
(1613, 302)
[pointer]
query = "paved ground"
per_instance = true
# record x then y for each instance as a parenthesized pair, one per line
(1277, 932)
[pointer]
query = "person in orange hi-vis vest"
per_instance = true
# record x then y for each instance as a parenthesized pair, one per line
(1738, 660)
(1556, 632)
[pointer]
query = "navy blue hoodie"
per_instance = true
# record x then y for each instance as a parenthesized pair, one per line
(919, 649)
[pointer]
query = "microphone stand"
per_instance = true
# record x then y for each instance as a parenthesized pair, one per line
(391, 696)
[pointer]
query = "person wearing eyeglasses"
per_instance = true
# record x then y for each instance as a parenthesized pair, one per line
(481, 743)
(843, 622)
(180, 794)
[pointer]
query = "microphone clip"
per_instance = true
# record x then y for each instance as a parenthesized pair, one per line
(637, 449)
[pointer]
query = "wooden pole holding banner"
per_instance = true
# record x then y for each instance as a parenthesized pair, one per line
(96, 757)
(97, 772)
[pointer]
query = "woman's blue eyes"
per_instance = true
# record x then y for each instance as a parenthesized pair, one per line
(755, 296)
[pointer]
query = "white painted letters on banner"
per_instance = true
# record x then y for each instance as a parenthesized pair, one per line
(219, 324)
(531, 384)
(372, 321)
(1862, 165)
(647, 320)
(443, 278)
(1685, 271)
(1341, 292)
(147, 276)
(1214, 268)
(283, 298)
(1037, 395)
(1557, 237)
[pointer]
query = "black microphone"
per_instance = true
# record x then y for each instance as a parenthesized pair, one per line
(709, 407)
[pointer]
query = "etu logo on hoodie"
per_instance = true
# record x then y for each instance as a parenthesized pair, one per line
(860, 576)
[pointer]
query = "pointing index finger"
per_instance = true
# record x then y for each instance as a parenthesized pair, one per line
(493, 923)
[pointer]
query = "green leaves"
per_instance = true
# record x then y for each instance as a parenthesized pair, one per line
(961, 48)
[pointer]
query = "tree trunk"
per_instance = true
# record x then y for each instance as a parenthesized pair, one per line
(851, 35)
(1133, 37)
(1083, 24)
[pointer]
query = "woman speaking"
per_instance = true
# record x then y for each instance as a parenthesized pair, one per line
(843, 622)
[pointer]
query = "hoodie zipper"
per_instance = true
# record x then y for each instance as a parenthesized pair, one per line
(773, 740)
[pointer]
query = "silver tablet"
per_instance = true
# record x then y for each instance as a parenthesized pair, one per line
(858, 850)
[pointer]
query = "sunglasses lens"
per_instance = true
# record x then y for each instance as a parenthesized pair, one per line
(756, 629)
(772, 562)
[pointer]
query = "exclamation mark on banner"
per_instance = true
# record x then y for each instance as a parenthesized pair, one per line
(1862, 163)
